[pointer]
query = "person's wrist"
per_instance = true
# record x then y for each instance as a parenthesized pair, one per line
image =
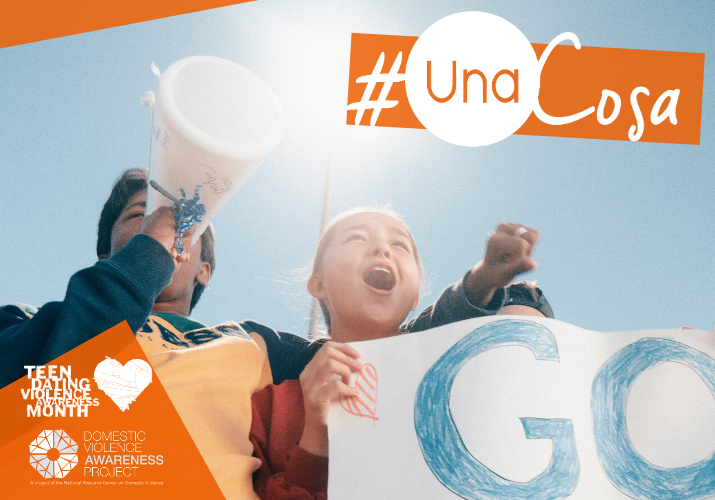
(160, 225)
(478, 286)
(162, 237)
(315, 438)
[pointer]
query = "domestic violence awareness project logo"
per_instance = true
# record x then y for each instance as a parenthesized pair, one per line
(473, 79)
(53, 453)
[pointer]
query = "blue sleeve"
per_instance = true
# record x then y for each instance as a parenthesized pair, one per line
(452, 306)
(120, 288)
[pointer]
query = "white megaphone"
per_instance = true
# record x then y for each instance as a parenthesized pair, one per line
(213, 123)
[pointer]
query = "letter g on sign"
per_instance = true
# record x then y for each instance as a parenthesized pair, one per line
(439, 438)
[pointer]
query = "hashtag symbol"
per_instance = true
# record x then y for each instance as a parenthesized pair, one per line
(387, 79)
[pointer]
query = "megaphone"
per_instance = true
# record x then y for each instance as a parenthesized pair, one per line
(213, 123)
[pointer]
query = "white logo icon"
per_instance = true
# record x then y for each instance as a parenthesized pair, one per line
(122, 384)
(53, 453)
(472, 79)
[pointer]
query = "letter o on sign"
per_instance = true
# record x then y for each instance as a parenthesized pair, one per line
(627, 470)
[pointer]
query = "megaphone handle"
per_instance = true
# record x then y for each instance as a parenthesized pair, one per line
(178, 206)
(163, 191)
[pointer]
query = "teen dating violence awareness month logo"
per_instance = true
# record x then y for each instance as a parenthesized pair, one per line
(53, 453)
(55, 392)
(474, 79)
(122, 383)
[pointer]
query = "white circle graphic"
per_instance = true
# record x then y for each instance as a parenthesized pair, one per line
(53, 453)
(479, 58)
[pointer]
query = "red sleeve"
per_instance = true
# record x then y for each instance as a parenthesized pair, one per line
(287, 471)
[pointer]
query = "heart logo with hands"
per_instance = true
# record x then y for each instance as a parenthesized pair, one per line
(122, 383)
(365, 403)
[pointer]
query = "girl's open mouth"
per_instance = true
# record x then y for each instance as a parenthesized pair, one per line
(380, 278)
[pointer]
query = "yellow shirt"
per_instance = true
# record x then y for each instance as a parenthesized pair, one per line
(210, 375)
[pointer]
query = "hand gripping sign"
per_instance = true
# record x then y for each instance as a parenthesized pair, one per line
(487, 410)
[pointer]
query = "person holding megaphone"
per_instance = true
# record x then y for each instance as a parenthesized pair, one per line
(141, 277)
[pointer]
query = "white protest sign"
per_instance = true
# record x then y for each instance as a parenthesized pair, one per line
(502, 407)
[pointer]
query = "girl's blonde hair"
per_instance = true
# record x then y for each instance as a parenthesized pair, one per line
(327, 237)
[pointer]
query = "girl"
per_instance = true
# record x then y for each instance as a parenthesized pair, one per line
(367, 275)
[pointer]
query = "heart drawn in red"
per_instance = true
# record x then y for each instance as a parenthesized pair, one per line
(365, 403)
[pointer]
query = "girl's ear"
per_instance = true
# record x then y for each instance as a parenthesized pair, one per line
(417, 302)
(316, 287)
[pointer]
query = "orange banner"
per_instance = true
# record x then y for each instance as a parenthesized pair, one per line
(34, 20)
(97, 423)
(660, 93)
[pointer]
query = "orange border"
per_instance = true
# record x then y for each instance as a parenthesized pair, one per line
(34, 20)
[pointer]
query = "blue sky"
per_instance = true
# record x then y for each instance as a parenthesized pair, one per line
(627, 228)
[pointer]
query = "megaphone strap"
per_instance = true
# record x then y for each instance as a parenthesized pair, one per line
(188, 212)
